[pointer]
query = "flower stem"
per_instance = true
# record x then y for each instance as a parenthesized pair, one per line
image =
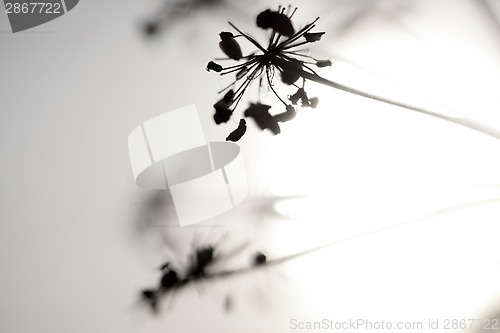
(469, 123)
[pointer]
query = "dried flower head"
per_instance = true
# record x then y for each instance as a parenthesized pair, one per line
(280, 56)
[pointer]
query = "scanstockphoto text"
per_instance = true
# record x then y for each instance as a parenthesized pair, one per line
(364, 324)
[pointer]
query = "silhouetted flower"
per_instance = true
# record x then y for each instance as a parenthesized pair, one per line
(280, 55)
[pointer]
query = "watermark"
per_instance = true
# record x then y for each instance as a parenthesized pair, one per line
(363, 324)
(25, 15)
(170, 152)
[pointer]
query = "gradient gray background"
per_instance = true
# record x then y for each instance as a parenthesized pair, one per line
(74, 88)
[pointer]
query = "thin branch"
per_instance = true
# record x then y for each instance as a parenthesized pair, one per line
(249, 38)
(469, 123)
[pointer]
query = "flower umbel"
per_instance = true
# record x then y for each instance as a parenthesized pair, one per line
(280, 56)
(283, 57)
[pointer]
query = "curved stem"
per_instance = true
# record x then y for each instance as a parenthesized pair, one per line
(469, 123)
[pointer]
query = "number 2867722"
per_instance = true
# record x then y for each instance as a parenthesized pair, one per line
(32, 8)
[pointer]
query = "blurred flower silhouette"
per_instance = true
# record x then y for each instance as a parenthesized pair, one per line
(175, 10)
(200, 266)
(280, 55)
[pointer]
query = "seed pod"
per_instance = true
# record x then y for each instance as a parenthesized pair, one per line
(313, 36)
(323, 63)
(214, 67)
(230, 46)
(238, 132)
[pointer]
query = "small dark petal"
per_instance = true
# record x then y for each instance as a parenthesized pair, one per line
(222, 114)
(291, 73)
(323, 63)
(265, 19)
(286, 116)
(260, 114)
(313, 36)
(231, 48)
(226, 35)
(214, 67)
(238, 132)
(283, 25)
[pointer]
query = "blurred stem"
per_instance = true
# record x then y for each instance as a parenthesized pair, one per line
(489, 11)
(469, 123)
(284, 259)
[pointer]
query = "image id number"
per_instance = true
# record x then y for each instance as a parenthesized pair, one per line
(32, 8)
